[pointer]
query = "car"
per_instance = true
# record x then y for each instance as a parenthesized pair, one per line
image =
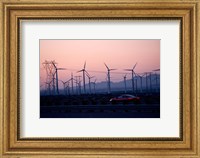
(125, 98)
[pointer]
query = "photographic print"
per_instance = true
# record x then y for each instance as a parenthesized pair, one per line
(99, 78)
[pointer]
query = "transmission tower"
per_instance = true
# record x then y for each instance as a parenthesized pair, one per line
(50, 76)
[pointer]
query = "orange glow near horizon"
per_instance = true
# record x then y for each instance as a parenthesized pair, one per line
(117, 54)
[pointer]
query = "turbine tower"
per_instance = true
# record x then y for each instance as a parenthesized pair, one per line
(150, 82)
(64, 86)
(94, 83)
(56, 73)
(140, 81)
(146, 73)
(133, 73)
(89, 78)
(109, 88)
(124, 83)
(68, 87)
(156, 78)
(83, 70)
(72, 83)
(77, 81)
(136, 89)
(79, 84)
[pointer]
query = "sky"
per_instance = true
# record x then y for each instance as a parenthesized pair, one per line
(117, 54)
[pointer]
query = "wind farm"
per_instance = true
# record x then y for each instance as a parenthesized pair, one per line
(99, 87)
(129, 85)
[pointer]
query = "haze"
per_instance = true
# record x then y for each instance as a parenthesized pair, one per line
(118, 54)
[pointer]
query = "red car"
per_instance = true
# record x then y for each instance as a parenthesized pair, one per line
(126, 98)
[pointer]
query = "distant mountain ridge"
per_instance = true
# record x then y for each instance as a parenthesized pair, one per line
(102, 86)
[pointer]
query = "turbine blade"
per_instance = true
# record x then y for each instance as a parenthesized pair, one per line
(112, 69)
(106, 66)
(134, 66)
(79, 71)
(128, 69)
(61, 69)
(54, 65)
(69, 80)
(156, 70)
(87, 73)
(84, 65)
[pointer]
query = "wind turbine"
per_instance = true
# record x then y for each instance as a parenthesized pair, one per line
(83, 70)
(136, 89)
(132, 72)
(125, 83)
(150, 82)
(56, 72)
(140, 81)
(109, 88)
(156, 78)
(64, 86)
(71, 80)
(79, 84)
(94, 85)
(89, 78)
(146, 73)
(77, 81)
(106, 79)
(72, 83)
(67, 87)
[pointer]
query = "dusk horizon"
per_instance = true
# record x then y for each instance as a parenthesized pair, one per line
(116, 54)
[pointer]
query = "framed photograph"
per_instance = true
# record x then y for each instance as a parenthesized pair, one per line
(99, 79)
(95, 90)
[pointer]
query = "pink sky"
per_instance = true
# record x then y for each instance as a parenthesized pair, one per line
(118, 54)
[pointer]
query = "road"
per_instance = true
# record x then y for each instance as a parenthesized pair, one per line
(101, 111)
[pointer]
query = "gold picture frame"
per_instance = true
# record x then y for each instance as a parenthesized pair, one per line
(13, 11)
